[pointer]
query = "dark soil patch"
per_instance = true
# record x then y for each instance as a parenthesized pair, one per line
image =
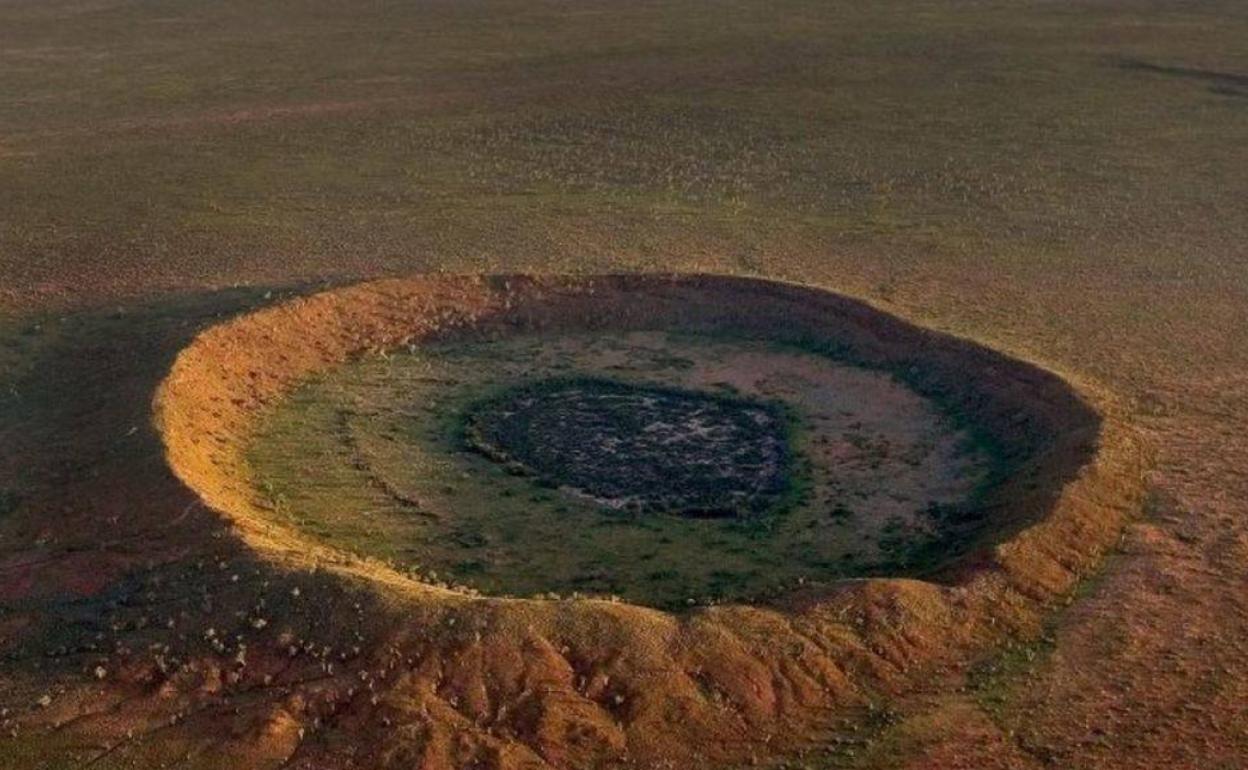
(640, 448)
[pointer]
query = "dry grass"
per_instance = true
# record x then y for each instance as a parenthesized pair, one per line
(1062, 180)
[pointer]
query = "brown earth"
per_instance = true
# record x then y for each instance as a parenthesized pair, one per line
(1061, 180)
(317, 659)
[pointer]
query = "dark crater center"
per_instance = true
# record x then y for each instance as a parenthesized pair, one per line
(643, 448)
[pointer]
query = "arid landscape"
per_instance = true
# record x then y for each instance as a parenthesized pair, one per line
(950, 298)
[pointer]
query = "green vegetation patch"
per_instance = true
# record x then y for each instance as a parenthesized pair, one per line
(640, 447)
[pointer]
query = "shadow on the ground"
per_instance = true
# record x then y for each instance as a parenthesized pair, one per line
(1222, 83)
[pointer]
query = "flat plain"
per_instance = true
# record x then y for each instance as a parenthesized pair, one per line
(1063, 181)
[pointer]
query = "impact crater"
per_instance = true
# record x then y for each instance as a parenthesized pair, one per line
(667, 440)
(962, 490)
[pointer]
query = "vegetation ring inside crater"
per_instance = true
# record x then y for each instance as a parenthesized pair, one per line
(639, 447)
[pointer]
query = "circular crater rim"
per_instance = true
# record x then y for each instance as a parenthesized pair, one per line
(206, 407)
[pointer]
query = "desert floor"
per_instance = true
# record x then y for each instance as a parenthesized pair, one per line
(1064, 181)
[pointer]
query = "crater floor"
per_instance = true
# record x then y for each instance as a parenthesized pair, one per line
(639, 448)
(563, 462)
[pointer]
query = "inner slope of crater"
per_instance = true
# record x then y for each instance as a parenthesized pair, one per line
(662, 468)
